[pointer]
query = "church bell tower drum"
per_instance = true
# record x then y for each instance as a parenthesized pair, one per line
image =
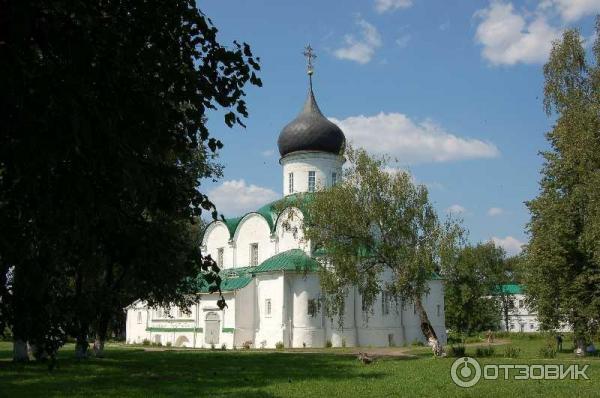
(311, 146)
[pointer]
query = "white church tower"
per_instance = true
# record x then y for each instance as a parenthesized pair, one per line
(311, 147)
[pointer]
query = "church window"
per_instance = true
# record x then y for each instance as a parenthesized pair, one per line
(253, 254)
(439, 310)
(385, 303)
(139, 317)
(179, 313)
(220, 253)
(414, 309)
(268, 307)
(520, 303)
(333, 178)
(291, 182)
(311, 181)
(312, 307)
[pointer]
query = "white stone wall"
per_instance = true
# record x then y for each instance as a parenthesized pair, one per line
(521, 317)
(253, 228)
(246, 311)
(300, 163)
(217, 236)
(288, 231)
(269, 327)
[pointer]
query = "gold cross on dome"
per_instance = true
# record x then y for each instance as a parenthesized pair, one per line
(310, 56)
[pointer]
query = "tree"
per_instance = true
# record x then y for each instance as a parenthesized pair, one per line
(103, 147)
(512, 274)
(376, 222)
(471, 284)
(562, 272)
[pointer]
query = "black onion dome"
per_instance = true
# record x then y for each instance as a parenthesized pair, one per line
(311, 131)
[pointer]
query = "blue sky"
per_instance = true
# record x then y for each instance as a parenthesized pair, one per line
(452, 89)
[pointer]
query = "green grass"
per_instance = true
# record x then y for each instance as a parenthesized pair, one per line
(132, 372)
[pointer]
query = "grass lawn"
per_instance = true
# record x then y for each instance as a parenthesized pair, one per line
(133, 372)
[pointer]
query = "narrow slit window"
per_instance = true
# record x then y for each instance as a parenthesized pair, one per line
(254, 254)
(311, 181)
(291, 183)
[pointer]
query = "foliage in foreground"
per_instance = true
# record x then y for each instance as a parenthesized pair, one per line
(563, 257)
(103, 146)
(377, 225)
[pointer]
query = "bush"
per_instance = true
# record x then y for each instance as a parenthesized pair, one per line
(344, 342)
(328, 344)
(484, 351)
(145, 342)
(457, 350)
(512, 352)
(279, 345)
(159, 344)
(417, 343)
(247, 344)
(548, 351)
(169, 344)
(223, 347)
(212, 346)
(455, 338)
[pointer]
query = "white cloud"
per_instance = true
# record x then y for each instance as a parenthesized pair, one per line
(236, 197)
(511, 245)
(391, 5)
(456, 209)
(403, 40)
(410, 142)
(509, 38)
(360, 50)
(495, 211)
(572, 10)
(268, 152)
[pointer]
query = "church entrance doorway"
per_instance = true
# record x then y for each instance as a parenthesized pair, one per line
(212, 326)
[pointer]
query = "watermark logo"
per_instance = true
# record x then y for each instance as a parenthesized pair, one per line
(466, 372)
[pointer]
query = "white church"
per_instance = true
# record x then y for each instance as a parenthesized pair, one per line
(270, 278)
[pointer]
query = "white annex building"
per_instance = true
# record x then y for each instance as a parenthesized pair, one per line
(269, 273)
(520, 317)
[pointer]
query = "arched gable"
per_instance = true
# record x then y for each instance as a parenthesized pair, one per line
(253, 228)
(288, 229)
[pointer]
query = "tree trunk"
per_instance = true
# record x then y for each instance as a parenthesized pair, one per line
(38, 352)
(20, 352)
(505, 310)
(427, 329)
(580, 346)
(101, 332)
(81, 346)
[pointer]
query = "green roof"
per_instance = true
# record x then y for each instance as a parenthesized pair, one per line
(509, 288)
(232, 279)
(232, 224)
(291, 260)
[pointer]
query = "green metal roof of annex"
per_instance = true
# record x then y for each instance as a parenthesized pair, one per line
(510, 288)
(291, 260)
(232, 279)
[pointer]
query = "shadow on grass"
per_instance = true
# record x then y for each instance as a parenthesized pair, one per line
(140, 373)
